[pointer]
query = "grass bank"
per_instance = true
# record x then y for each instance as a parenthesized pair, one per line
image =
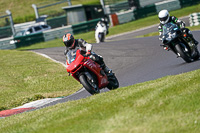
(89, 36)
(22, 10)
(26, 76)
(169, 104)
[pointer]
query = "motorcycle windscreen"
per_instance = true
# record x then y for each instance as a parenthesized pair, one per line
(169, 27)
(169, 31)
(71, 56)
(74, 61)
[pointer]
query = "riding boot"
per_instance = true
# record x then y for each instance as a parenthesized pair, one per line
(192, 37)
(107, 70)
(195, 41)
(99, 60)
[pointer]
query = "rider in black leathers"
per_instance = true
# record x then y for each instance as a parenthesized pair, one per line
(166, 18)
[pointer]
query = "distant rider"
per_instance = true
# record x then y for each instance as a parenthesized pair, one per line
(165, 17)
(106, 22)
(72, 45)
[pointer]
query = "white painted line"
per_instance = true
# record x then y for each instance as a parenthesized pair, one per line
(38, 103)
(46, 56)
(82, 89)
(130, 32)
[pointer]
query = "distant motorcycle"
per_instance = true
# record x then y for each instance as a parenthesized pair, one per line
(100, 32)
(90, 74)
(179, 42)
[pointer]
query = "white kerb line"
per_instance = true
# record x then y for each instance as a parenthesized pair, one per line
(46, 56)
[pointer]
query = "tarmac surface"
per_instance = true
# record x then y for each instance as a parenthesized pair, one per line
(133, 61)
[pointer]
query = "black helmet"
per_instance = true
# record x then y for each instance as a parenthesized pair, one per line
(104, 20)
(68, 40)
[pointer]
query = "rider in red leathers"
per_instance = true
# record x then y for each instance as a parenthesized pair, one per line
(72, 45)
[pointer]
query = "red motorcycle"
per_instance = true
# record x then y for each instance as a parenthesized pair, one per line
(90, 74)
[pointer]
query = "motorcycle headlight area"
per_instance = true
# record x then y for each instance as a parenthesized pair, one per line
(171, 36)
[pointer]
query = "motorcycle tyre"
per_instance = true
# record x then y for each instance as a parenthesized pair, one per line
(113, 83)
(101, 37)
(183, 55)
(87, 86)
(197, 56)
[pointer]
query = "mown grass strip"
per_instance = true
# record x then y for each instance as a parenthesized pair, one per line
(22, 10)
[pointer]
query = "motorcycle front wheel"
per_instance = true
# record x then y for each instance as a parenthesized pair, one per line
(88, 85)
(183, 53)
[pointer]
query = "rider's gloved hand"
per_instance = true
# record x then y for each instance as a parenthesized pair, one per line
(182, 25)
(166, 47)
(160, 37)
(107, 32)
(65, 52)
(88, 52)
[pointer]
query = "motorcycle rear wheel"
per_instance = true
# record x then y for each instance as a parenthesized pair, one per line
(101, 37)
(113, 82)
(197, 56)
(88, 86)
(184, 55)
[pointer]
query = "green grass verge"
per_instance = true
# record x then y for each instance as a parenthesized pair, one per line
(89, 36)
(22, 10)
(26, 76)
(170, 104)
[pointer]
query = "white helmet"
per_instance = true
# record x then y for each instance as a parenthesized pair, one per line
(163, 16)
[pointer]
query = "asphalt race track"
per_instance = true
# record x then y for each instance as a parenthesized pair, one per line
(133, 60)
